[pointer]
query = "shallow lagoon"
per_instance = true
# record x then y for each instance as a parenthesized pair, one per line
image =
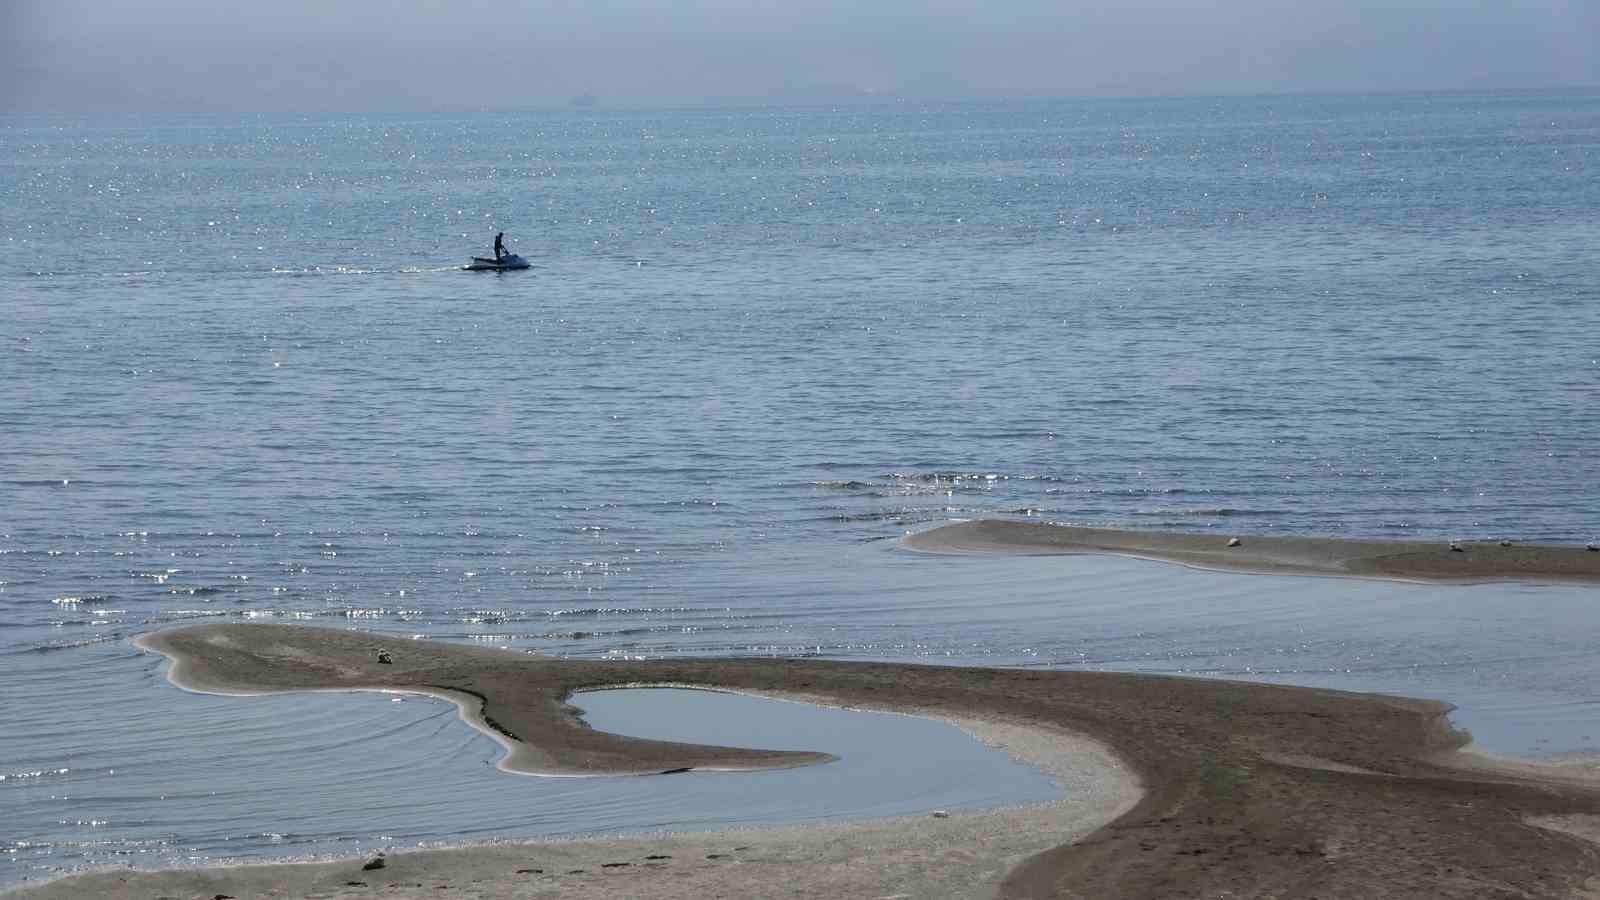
(221, 778)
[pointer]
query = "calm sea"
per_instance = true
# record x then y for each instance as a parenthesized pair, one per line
(242, 377)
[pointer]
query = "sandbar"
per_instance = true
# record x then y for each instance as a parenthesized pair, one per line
(1175, 787)
(1449, 561)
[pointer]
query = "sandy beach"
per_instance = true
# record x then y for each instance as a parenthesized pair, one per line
(1457, 561)
(1175, 787)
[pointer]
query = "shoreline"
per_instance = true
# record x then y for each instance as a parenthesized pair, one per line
(1246, 787)
(1462, 562)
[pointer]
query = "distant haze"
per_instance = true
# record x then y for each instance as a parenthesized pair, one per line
(355, 55)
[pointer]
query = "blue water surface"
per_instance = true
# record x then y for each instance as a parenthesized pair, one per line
(243, 377)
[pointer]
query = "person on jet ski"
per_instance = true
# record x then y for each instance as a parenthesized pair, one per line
(499, 245)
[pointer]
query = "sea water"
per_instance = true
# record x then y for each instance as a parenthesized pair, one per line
(244, 379)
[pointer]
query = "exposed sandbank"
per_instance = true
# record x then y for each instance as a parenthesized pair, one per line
(265, 661)
(1470, 561)
(1249, 789)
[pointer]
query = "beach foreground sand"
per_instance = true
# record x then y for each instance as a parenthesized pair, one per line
(1248, 790)
(1459, 561)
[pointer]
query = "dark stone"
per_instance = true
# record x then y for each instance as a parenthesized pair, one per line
(377, 863)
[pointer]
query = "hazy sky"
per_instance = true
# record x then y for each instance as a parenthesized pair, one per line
(354, 55)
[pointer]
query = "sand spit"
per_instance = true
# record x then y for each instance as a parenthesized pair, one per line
(1460, 561)
(1249, 790)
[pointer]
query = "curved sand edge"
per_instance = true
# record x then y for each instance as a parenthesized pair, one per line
(1472, 561)
(517, 758)
(228, 662)
(1249, 789)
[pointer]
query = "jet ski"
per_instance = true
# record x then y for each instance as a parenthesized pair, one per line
(511, 262)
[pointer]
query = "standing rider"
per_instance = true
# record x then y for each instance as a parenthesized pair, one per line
(499, 245)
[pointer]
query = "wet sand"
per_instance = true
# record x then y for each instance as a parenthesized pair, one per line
(1247, 789)
(1470, 561)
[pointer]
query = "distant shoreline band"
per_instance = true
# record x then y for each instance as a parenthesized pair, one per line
(1405, 560)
